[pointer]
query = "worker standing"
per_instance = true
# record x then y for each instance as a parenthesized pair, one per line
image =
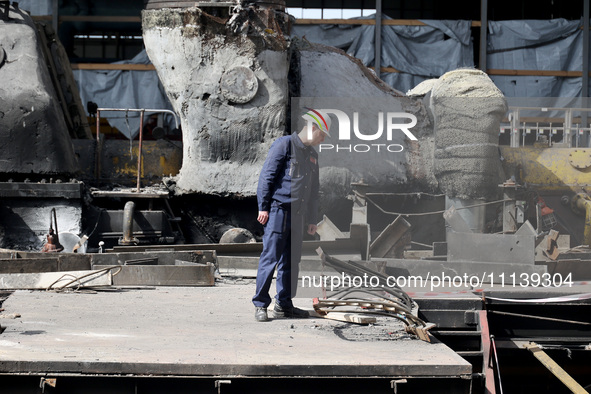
(287, 196)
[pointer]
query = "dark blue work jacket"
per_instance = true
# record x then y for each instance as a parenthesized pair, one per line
(289, 178)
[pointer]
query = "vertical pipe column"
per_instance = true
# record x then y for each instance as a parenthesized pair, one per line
(128, 212)
(483, 34)
(378, 39)
(585, 87)
(139, 153)
(515, 134)
(97, 150)
(509, 208)
(585, 79)
(568, 128)
(55, 16)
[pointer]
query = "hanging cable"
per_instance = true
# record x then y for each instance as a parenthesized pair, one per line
(426, 213)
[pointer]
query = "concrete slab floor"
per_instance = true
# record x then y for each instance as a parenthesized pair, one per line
(196, 331)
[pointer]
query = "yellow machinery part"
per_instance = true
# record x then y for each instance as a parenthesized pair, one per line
(581, 204)
(549, 169)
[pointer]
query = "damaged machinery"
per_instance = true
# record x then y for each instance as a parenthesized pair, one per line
(482, 200)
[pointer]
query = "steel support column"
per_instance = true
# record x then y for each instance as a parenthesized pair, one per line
(378, 39)
(585, 79)
(487, 367)
(139, 153)
(55, 16)
(483, 34)
(585, 87)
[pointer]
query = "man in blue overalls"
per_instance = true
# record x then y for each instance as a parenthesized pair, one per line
(287, 196)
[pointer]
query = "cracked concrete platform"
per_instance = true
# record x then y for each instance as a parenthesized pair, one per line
(184, 331)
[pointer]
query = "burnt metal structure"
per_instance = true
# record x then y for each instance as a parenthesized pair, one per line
(478, 329)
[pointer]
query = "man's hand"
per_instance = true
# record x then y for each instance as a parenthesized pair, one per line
(312, 229)
(263, 217)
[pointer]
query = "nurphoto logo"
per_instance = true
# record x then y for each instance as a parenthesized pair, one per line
(395, 122)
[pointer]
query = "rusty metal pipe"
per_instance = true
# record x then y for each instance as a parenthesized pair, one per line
(58, 246)
(55, 222)
(128, 238)
(53, 240)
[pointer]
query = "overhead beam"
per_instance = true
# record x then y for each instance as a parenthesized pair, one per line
(56, 18)
(302, 21)
(538, 73)
(543, 73)
(109, 66)
(384, 22)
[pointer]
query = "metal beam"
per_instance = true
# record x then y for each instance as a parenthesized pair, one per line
(378, 38)
(585, 79)
(554, 367)
(348, 246)
(56, 280)
(55, 17)
(489, 372)
(391, 241)
(40, 190)
(164, 275)
(585, 82)
(483, 33)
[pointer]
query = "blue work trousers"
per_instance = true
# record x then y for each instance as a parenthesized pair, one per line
(282, 249)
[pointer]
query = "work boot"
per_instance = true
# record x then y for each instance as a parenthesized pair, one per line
(260, 314)
(289, 312)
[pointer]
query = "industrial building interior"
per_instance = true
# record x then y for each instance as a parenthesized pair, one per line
(140, 128)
